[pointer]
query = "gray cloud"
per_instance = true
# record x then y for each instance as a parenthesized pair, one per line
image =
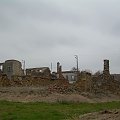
(45, 31)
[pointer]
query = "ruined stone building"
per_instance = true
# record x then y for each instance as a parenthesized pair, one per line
(70, 76)
(11, 68)
(105, 81)
(39, 72)
(102, 77)
(84, 82)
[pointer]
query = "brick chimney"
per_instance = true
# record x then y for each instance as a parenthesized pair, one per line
(106, 72)
(59, 71)
(58, 67)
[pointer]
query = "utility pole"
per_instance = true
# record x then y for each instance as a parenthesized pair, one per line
(76, 57)
(51, 67)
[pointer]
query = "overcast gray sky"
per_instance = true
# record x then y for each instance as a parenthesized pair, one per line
(45, 31)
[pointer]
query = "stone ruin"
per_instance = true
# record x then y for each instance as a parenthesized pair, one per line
(106, 72)
(59, 72)
(87, 82)
(105, 82)
(84, 82)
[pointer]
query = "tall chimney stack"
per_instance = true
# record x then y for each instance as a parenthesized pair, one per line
(106, 72)
(58, 67)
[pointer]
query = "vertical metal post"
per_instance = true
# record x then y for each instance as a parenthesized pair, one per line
(51, 67)
(76, 56)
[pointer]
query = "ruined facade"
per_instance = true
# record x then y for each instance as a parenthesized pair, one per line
(43, 72)
(71, 76)
(84, 82)
(11, 68)
(105, 82)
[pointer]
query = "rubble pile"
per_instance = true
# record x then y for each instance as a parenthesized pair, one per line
(60, 86)
(83, 86)
(4, 82)
(114, 86)
(86, 84)
(30, 81)
(21, 81)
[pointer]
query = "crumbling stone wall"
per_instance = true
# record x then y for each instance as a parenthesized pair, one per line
(100, 85)
(23, 81)
(38, 72)
(12, 67)
(29, 81)
(103, 83)
(59, 72)
(84, 82)
(4, 81)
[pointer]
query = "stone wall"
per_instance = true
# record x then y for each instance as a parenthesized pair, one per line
(84, 82)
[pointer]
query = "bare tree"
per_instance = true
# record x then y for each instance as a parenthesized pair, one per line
(74, 69)
(98, 73)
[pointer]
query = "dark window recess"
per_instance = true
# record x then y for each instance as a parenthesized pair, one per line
(9, 69)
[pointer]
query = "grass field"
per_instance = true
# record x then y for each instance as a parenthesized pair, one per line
(49, 111)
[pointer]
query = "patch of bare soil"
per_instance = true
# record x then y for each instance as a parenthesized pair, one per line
(103, 115)
(38, 94)
(41, 94)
